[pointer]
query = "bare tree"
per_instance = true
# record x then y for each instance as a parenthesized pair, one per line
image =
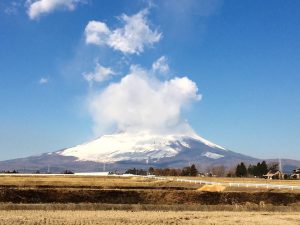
(218, 170)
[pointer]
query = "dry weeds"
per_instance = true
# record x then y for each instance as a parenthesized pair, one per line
(146, 217)
(262, 206)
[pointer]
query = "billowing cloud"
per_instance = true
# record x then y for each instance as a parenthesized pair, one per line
(142, 100)
(161, 65)
(139, 101)
(99, 74)
(38, 7)
(129, 39)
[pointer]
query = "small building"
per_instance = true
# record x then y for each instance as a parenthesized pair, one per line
(92, 174)
(296, 174)
(200, 174)
(274, 174)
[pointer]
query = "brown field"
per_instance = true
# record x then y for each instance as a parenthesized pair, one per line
(135, 200)
(248, 207)
(104, 182)
(134, 190)
(107, 182)
(246, 180)
(146, 217)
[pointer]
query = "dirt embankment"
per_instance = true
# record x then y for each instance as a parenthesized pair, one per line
(36, 195)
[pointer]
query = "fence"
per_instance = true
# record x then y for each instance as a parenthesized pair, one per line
(254, 185)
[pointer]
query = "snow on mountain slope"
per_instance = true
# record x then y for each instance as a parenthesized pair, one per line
(135, 147)
(213, 155)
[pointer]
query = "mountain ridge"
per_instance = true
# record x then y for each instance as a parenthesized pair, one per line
(122, 150)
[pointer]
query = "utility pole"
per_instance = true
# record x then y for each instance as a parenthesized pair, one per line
(280, 164)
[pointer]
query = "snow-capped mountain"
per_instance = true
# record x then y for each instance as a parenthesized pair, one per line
(137, 146)
(132, 149)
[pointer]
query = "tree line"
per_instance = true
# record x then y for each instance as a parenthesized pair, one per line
(241, 170)
(186, 171)
(257, 170)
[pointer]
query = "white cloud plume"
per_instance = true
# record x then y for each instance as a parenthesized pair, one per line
(161, 65)
(129, 39)
(43, 80)
(142, 102)
(38, 7)
(99, 74)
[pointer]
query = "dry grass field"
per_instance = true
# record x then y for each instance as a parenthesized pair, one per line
(127, 182)
(90, 181)
(136, 190)
(247, 180)
(136, 200)
(146, 217)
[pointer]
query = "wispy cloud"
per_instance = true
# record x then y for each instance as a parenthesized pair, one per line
(43, 80)
(188, 8)
(129, 39)
(38, 7)
(99, 74)
(161, 65)
(13, 8)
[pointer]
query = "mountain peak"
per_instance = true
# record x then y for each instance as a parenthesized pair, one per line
(135, 146)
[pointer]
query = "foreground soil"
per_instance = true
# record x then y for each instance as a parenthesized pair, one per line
(146, 217)
(142, 196)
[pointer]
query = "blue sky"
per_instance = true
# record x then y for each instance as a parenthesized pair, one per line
(242, 55)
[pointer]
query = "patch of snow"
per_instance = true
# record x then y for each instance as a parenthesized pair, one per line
(183, 143)
(208, 143)
(213, 155)
(92, 174)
